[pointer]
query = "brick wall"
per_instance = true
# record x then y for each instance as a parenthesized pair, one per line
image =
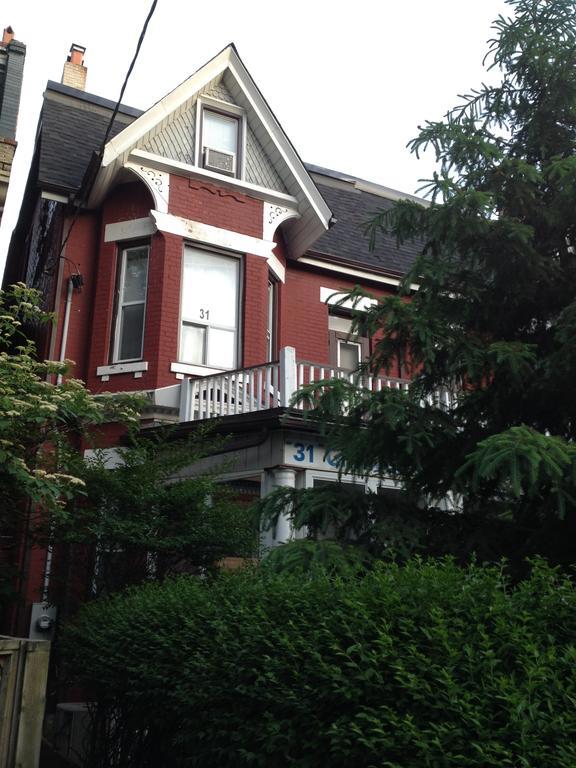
(220, 207)
(80, 253)
(74, 75)
(255, 310)
(304, 317)
(128, 201)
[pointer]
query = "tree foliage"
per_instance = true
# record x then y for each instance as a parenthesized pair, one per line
(149, 519)
(39, 421)
(142, 518)
(422, 665)
(494, 317)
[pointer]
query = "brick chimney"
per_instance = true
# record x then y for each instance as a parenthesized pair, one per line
(7, 36)
(74, 72)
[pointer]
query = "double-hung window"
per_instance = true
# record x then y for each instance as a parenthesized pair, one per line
(209, 311)
(131, 303)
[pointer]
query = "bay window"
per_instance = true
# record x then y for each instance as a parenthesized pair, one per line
(209, 309)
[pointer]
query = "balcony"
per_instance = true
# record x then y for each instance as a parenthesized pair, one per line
(263, 387)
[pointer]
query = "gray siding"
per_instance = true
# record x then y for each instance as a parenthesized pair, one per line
(176, 140)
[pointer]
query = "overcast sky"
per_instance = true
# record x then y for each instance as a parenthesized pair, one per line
(349, 81)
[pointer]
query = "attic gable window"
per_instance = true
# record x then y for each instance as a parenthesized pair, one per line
(221, 138)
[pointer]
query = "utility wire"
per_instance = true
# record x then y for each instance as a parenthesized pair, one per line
(130, 68)
(100, 152)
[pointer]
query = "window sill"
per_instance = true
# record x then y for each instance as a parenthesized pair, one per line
(137, 368)
(187, 369)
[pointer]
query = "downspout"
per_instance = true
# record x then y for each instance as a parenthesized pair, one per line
(73, 282)
(66, 324)
(50, 549)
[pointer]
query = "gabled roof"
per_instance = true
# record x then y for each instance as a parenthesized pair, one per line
(314, 215)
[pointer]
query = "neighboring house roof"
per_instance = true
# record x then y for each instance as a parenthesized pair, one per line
(355, 203)
(73, 127)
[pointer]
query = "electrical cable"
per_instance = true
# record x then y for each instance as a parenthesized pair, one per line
(100, 152)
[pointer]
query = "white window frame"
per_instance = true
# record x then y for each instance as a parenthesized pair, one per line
(121, 304)
(228, 110)
(205, 367)
(372, 482)
(271, 319)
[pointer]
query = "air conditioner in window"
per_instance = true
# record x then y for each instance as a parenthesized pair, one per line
(219, 161)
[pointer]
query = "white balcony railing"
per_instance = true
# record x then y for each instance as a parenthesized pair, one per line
(262, 387)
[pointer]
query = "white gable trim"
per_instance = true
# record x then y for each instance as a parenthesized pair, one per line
(274, 215)
(127, 138)
(139, 157)
(314, 211)
(280, 139)
(158, 183)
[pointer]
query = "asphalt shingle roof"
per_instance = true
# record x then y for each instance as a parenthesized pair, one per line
(71, 132)
(354, 209)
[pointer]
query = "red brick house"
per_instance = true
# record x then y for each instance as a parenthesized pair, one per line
(193, 256)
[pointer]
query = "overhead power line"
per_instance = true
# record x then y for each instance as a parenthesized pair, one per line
(100, 153)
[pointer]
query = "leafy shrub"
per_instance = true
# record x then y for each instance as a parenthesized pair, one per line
(426, 664)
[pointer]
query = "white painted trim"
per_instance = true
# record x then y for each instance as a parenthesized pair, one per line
(227, 59)
(132, 229)
(295, 165)
(273, 216)
(206, 233)
(277, 268)
(222, 106)
(225, 107)
(121, 302)
(363, 274)
(126, 139)
(167, 397)
(141, 157)
(330, 296)
(158, 183)
(53, 196)
(110, 370)
(388, 193)
(194, 370)
(311, 205)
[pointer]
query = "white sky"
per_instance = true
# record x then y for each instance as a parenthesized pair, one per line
(349, 81)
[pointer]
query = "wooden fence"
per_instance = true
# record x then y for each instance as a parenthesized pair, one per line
(23, 675)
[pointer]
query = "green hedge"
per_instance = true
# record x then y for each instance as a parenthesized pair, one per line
(426, 664)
